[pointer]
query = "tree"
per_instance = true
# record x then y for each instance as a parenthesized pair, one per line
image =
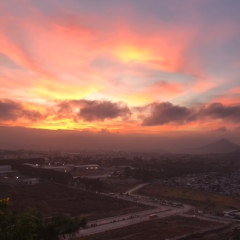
(30, 225)
(235, 235)
(17, 225)
(61, 224)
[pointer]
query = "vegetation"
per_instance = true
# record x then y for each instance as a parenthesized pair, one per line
(235, 234)
(29, 224)
(210, 202)
(90, 184)
(46, 174)
(153, 169)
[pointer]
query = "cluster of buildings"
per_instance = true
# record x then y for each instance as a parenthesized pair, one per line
(227, 184)
(6, 171)
(67, 167)
(13, 176)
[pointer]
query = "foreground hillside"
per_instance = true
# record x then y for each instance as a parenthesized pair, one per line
(50, 199)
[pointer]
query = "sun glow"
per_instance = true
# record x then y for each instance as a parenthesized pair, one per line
(132, 53)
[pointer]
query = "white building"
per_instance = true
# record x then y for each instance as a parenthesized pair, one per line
(30, 181)
(89, 167)
(6, 171)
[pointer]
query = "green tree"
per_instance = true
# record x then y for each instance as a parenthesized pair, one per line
(18, 225)
(235, 235)
(61, 224)
(30, 225)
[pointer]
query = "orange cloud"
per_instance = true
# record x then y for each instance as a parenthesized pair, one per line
(56, 90)
(203, 85)
(166, 89)
(18, 55)
(159, 91)
(231, 97)
(155, 50)
(132, 53)
(228, 100)
(235, 90)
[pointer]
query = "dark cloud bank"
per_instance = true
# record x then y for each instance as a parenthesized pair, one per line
(164, 113)
(10, 110)
(96, 110)
(153, 114)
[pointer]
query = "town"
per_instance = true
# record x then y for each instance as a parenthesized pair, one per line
(143, 186)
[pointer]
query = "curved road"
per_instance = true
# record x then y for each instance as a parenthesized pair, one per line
(106, 224)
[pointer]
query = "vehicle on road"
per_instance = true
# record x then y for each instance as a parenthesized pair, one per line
(152, 216)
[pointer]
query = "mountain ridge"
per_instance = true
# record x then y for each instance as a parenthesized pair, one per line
(220, 146)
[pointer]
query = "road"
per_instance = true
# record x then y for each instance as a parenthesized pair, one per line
(130, 191)
(159, 209)
(126, 220)
(106, 224)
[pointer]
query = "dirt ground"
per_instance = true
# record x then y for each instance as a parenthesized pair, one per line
(119, 187)
(159, 229)
(51, 199)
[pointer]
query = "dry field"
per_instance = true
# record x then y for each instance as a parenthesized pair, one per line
(119, 187)
(159, 229)
(210, 202)
(52, 199)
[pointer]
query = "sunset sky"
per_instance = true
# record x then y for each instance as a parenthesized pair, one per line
(129, 67)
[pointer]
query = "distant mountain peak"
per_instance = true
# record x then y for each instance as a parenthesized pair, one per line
(224, 140)
(221, 146)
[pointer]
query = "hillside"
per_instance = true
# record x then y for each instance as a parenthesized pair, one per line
(220, 146)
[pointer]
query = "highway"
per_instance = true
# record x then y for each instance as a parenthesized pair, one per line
(159, 209)
(125, 220)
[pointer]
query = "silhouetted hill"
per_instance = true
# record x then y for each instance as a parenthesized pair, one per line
(221, 146)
